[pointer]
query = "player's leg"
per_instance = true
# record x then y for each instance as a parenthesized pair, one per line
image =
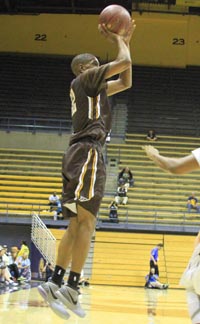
(156, 269)
(86, 225)
(68, 294)
(49, 289)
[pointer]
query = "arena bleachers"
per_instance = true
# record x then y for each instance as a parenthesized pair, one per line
(156, 194)
(34, 91)
(165, 99)
(28, 177)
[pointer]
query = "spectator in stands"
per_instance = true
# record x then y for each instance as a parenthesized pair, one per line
(154, 258)
(24, 248)
(5, 276)
(6, 254)
(192, 203)
(5, 257)
(24, 266)
(151, 135)
(53, 201)
(121, 197)
(113, 215)
(13, 262)
(58, 211)
(48, 270)
(152, 281)
(126, 176)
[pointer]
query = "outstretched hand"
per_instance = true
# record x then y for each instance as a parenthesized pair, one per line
(129, 35)
(150, 151)
(113, 37)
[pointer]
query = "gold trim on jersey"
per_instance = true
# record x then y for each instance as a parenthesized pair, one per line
(73, 102)
(93, 159)
(93, 176)
(82, 175)
(93, 107)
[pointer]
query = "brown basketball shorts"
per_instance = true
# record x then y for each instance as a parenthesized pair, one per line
(84, 177)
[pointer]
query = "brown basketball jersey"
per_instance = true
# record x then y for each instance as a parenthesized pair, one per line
(91, 113)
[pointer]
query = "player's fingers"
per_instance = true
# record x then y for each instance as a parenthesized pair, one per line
(103, 30)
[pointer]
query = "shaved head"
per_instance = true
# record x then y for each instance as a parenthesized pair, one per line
(81, 59)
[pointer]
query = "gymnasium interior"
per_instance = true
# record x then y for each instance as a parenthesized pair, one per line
(38, 40)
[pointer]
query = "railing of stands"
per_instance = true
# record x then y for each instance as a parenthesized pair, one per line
(157, 217)
(125, 217)
(6, 210)
(35, 124)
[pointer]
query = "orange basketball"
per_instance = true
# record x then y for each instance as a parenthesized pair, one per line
(116, 18)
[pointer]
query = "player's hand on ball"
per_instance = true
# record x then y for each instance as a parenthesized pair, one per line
(150, 151)
(129, 34)
(108, 34)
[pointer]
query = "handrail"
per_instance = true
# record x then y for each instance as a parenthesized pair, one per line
(154, 219)
(35, 124)
(29, 211)
(125, 219)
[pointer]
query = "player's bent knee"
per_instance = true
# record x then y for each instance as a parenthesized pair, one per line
(86, 218)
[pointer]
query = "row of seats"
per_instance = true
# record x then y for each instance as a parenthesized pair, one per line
(28, 177)
(38, 87)
(35, 87)
(165, 99)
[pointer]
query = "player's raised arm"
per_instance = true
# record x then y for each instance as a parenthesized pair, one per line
(122, 65)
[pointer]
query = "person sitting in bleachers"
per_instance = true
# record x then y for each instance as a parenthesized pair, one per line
(192, 203)
(121, 197)
(53, 201)
(58, 211)
(113, 215)
(151, 135)
(126, 176)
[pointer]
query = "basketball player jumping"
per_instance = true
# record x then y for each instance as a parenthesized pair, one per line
(191, 276)
(83, 167)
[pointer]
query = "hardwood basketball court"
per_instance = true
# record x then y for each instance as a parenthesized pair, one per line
(103, 304)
